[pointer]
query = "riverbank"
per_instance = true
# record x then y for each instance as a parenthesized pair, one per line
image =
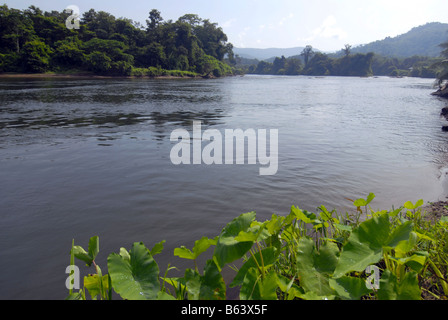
(87, 75)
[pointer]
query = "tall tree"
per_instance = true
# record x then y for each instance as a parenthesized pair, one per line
(347, 50)
(307, 54)
(443, 74)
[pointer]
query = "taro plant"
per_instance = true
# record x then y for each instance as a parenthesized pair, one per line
(302, 255)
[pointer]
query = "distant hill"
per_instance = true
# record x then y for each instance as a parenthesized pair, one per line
(421, 41)
(264, 54)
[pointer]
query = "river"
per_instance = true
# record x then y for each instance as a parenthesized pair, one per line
(85, 157)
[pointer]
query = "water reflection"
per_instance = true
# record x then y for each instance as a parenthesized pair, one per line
(149, 105)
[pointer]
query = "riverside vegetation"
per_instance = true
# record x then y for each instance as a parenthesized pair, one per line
(33, 41)
(301, 256)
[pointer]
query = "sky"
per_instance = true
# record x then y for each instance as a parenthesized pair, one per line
(326, 25)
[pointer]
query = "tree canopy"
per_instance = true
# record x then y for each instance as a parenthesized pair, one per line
(35, 41)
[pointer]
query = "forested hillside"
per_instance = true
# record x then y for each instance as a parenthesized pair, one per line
(33, 41)
(424, 40)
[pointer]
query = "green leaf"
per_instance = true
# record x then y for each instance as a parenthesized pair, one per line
(137, 279)
(364, 202)
(256, 288)
(82, 255)
(193, 284)
(364, 246)
(97, 285)
(210, 286)
(94, 247)
(410, 206)
(213, 286)
(350, 288)
(228, 249)
(257, 232)
(125, 254)
(305, 216)
(157, 249)
(269, 257)
(164, 296)
(200, 247)
(403, 247)
(407, 289)
(400, 234)
(315, 267)
(342, 227)
(184, 253)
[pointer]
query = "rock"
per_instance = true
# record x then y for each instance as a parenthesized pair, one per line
(442, 92)
(444, 111)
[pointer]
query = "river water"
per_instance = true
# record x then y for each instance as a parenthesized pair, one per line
(85, 157)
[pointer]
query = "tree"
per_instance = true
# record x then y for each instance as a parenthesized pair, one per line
(35, 57)
(347, 50)
(307, 54)
(15, 30)
(293, 67)
(155, 18)
(279, 65)
(443, 65)
(68, 53)
(319, 65)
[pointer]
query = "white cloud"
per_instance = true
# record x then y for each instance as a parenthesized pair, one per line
(329, 29)
(228, 23)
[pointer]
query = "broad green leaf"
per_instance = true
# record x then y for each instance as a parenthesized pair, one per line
(228, 249)
(407, 289)
(342, 227)
(257, 232)
(164, 296)
(213, 286)
(416, 262)
(312, 296)
(184, 253)
(314, 268)
(304, 216)
(269, 257)
(403, 247)
(275, 225)
(95, 286)
(350, 288)
(210, 286)
(125, 254)
(82, 255)
(400, 234)
(375, 231)
(325, 215)
(364, 202)
(193, 284)
(94, 247)
(410, 206)
(364, 246)
(256, 288)
(370, 198)
(137, 279)
(157, 249)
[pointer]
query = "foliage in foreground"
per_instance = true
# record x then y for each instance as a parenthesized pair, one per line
(303, 255)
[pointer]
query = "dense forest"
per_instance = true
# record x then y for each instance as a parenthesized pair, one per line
(33, 41)
(350, 64)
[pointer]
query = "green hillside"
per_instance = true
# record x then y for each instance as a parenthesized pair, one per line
(420, 41)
